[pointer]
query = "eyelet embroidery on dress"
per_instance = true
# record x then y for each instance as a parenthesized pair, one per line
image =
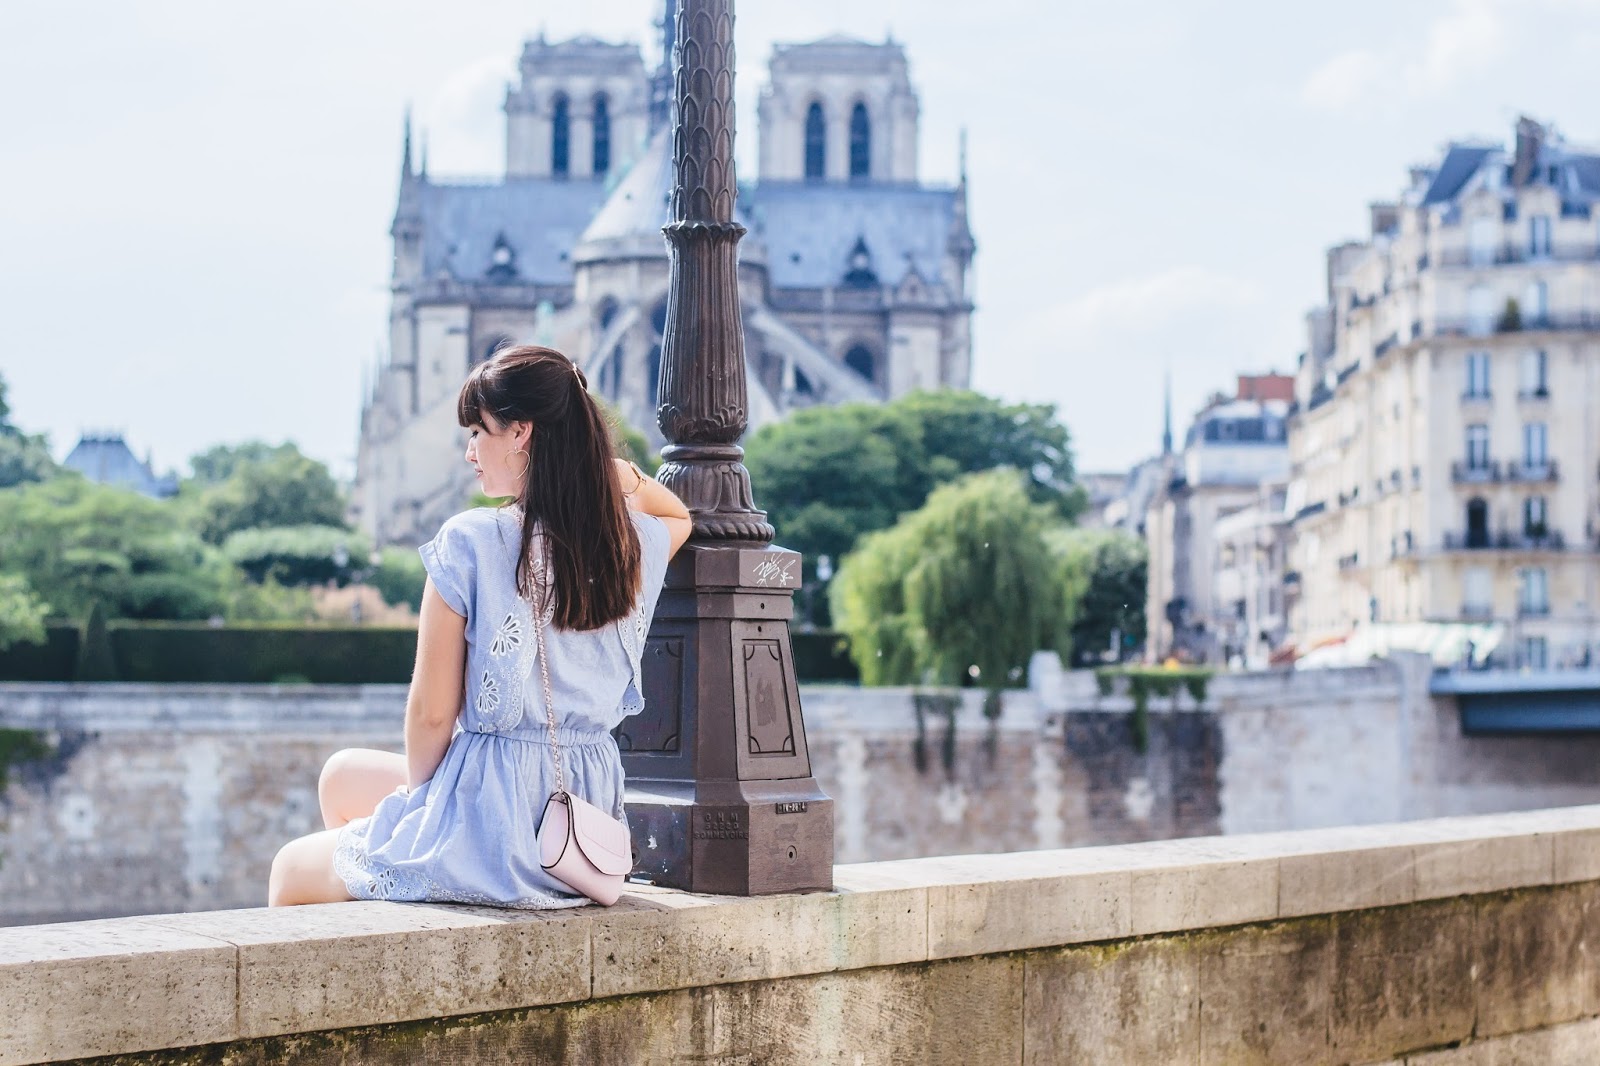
(508, 638)
(488, 694)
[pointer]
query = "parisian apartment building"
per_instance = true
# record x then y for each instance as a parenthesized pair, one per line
(1444, 441)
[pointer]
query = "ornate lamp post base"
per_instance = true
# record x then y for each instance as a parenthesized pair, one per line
(720, 793)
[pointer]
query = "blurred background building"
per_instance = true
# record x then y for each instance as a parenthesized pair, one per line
(855, 275)
(1445, 447)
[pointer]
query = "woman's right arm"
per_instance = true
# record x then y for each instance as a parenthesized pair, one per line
(649, 496)
(434, 701)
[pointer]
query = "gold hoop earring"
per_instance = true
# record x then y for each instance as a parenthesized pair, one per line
(527, 461)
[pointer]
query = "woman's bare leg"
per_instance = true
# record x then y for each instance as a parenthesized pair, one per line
(354, 780)
(303, 872)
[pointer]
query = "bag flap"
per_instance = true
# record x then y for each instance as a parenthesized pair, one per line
(604, 841)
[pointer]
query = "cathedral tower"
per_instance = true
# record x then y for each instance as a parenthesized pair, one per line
(839, 109)
(581, 110)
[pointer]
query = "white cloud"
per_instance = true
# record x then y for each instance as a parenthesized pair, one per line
(1344, 80)
(1461, 43)
(1141, 305)
(464, 121)
(1100, 356)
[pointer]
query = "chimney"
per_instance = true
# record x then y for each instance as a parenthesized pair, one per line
(1530, 138)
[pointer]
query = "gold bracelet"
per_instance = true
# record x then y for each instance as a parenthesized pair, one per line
(637, 485)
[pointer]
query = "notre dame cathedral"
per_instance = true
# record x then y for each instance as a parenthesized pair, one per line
(855, 276)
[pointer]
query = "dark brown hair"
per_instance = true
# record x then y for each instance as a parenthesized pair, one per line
(571, 490)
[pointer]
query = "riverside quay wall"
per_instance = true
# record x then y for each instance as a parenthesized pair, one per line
(1454, 942)
(136, 799)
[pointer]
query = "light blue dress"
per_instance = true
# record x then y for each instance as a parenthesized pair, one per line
(469, 834)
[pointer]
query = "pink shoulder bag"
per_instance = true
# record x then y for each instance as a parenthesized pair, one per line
(580, 845)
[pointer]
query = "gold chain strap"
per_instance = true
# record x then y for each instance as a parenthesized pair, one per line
(544, 674)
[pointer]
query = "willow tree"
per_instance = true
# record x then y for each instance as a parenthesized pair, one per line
(965, 587)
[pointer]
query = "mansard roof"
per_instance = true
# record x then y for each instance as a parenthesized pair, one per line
(1549, 161)
(810, 229)
(106, 459)
(540, 218)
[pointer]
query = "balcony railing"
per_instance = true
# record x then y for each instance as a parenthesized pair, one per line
(1476, 473)
(1476, 396)
(1534, 394)
(1532, 471)
(1498, 323)
(1477, 612)
(1504, 540)
(1533, 610)
(1517, 253)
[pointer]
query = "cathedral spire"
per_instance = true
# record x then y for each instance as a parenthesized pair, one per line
(661, 94)
(422, 175)
(1166, 424)
(405, 155)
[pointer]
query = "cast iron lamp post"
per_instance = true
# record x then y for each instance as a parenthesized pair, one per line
(720, 791)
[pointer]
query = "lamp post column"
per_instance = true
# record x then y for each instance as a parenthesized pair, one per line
(721, 794)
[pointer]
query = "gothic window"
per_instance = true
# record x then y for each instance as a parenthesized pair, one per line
(861, 360)
(611, 375)
(860, 275)
(816, 143)
(602, 136)
(560, 136)
(608, 311)
(502, 260)
(860, 142)
(655, 375)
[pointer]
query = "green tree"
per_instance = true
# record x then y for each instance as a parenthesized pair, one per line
(219, 462)
(298, 555)
(399, 577)
(23, 458)
(78, 543)
(1103, 577)
(965, 587)
(965, 432)
(22, 614)
(829, 475)
(275, 487)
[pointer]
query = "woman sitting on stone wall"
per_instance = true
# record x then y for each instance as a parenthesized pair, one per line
(455, 818)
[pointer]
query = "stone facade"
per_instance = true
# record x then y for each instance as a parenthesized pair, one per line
(1235, 446)
(1443, 448)
(168, 798)
(1455, 941)
(855, 282)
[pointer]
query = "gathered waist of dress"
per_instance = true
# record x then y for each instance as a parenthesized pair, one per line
(566, 736)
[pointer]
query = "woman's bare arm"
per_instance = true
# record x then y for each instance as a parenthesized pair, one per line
(649, 496)
(434, 702)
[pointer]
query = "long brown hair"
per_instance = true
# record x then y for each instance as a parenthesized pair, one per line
(570, 491)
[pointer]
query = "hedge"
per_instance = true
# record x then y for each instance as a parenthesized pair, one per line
(197, 652)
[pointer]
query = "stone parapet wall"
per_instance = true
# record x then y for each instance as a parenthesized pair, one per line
(1449, 941)
(175, 797)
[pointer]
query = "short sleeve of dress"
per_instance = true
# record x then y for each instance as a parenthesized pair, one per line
(452, 562)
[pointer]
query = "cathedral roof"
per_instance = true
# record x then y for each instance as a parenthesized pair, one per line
(540, 219)
(641, 202)
(640, 205)
(811, 228)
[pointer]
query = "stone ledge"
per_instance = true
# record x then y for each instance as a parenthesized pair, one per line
(140, 984)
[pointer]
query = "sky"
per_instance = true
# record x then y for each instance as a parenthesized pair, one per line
(196, 196)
